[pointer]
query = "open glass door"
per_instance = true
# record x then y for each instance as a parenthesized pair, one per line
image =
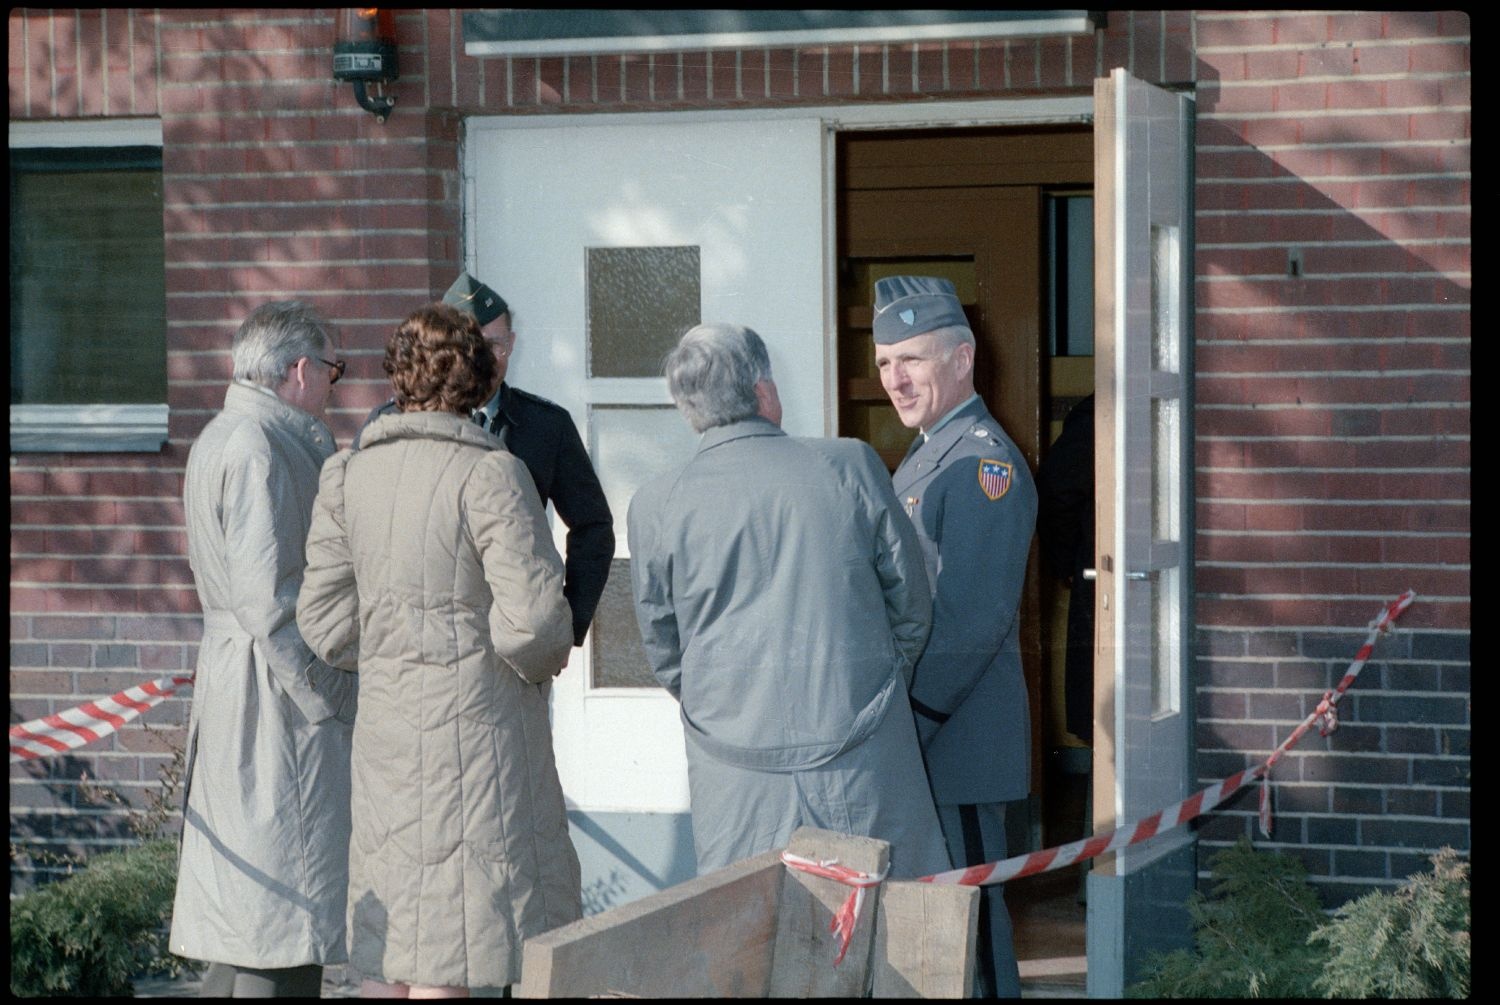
(1143, 470)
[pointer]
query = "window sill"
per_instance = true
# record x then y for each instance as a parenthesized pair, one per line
(87, 428)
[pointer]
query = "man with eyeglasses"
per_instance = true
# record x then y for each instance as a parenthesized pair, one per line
(542, 435)
(263, 875)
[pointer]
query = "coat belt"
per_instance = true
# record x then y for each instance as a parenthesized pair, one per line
(799, 757)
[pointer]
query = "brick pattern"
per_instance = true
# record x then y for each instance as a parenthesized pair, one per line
(1364, 806)
(1332, 411)
(1333, 415)
(82, 63)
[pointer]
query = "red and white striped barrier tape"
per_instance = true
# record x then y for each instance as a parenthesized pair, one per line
(847, 915)
(91, 721)
(1194, 806)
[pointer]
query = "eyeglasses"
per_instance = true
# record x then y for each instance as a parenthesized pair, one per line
(338, 368)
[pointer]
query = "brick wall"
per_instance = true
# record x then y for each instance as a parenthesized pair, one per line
(1333, 425)
(1332, 407)
(276, 185)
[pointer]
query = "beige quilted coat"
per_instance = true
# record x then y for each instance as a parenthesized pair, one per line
(431, 569)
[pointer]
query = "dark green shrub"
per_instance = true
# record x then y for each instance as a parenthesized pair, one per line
(1412, 943)
(87, 934)
(1251, 933)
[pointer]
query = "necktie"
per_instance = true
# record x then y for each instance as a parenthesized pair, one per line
(480, 419)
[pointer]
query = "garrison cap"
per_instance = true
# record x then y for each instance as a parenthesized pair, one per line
(908, 306)
(473, 297)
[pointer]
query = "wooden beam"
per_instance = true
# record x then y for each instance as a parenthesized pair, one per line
(805, 947)
(710, 937)
(925, 939)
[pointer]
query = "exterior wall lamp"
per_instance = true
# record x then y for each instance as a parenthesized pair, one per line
(364, 51)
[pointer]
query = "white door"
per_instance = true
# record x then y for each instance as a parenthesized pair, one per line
(1144, 469)
(608, 235)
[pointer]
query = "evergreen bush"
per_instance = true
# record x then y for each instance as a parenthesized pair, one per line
(86, 935)
(1412, 943)
(1260, 934)
(1251, 933)
(90, 932)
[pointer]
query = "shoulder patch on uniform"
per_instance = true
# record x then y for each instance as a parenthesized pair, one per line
(994, 478)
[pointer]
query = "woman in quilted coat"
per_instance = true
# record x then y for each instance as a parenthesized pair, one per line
(431, 570)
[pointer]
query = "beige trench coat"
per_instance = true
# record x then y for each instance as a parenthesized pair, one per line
(263, 873)
(431, 568)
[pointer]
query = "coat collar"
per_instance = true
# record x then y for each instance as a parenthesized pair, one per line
(427, 426)
(265, 405)
(952, 431)
(924, 460)
(755, 426)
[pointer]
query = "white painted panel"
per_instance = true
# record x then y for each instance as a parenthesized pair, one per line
(750, 195)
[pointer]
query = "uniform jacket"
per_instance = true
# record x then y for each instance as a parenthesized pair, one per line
(973, 501)
(543, 436)
(431, 570)
(262, 877)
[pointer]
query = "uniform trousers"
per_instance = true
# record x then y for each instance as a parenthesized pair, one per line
(976, 835)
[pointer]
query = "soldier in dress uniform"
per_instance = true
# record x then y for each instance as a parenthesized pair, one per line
(967, 489)
(542, 435)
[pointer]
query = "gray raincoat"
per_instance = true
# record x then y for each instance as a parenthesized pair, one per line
(782, 599)
(264, 867)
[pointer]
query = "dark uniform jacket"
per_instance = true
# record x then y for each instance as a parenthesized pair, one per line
(542, 435)
(973, 501)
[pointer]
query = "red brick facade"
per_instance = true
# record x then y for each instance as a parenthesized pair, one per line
(1332, 406)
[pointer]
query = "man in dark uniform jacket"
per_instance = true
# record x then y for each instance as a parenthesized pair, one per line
(968, 491)
(543, 436)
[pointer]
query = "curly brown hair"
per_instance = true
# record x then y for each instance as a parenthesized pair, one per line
(439, 361)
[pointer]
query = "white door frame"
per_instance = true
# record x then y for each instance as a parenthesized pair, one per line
(836, 119)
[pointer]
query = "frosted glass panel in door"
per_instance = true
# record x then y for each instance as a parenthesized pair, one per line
(641, 300)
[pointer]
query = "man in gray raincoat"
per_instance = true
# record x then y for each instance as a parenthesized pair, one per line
(971, 497)
(782, 599)
(263, 877)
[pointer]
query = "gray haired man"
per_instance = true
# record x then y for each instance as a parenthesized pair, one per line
(970, 494)
(782, 599)
(263, 875)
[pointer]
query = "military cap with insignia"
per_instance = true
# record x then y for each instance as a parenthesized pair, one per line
(473, 297)
(908, 306)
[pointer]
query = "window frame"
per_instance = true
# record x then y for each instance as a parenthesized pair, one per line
(96, 427)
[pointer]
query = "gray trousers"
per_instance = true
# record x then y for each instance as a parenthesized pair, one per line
(223, 980)
(976, 834)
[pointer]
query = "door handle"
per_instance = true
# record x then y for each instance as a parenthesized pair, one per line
(1090, 574)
